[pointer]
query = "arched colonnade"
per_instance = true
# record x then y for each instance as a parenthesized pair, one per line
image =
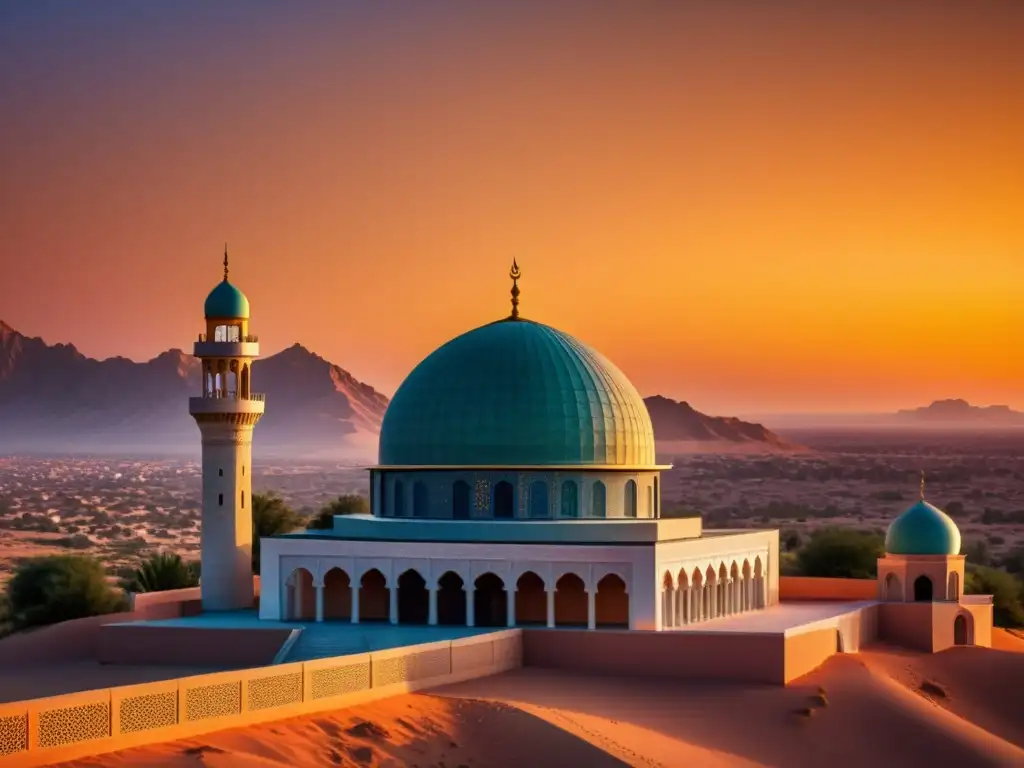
(693, 594)
(458, 599)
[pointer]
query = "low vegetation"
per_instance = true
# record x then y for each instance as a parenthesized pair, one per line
(162, 572)
(347, 504)
(46, 590)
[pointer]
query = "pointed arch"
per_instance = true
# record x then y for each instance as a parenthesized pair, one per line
(531, 600)
(571, 604)
(570, 499)
(490, 601)
(413, 598)
(923, 589)
(893, 588)
(337, 595)
(629, 500)
(374, 597)
(599, 500)
(611, 604)
(451, 600)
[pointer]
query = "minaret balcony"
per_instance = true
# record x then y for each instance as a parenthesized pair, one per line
(226, 349)
(218, 402)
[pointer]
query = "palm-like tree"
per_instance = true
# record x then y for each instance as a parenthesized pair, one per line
(346, 504)
(271, 516)
(164, 571)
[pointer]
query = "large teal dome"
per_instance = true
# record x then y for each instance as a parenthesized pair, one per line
(226, 301)
(923, 530)
(516, 393)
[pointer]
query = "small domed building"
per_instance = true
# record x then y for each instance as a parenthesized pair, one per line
(921, 584)
(517, 484)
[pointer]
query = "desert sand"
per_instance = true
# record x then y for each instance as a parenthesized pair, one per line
(880, 707)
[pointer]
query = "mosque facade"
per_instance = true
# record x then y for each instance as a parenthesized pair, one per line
(517, 485)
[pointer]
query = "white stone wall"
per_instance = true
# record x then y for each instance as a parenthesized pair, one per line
(720, 574)
(281, 557)
(226, 554)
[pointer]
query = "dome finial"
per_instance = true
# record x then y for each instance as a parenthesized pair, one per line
(515, 274)
(922, 485)
(225, 262)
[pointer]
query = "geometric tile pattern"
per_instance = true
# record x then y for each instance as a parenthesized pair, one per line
(335, 681)
(69, 725)
(13, 734)
(213, 701)
(417, 666)
(149, 711)
(276, 691)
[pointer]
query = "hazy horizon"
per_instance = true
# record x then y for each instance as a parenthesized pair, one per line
(772, 210)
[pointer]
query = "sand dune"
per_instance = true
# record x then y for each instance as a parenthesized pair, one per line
(882, 707)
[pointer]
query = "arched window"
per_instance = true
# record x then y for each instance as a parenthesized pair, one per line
(504, 500)
(243, 499)
(220, 499)
(598, 500)
(570, 499)
(460, 500)
(538, 499)
(922, 589)
(656, 509)
(420, 499)
(399, 499)
(629, 503)
(650, 501)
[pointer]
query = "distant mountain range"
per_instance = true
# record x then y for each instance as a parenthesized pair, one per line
(960, 412)
(952, 414)
(54, 399)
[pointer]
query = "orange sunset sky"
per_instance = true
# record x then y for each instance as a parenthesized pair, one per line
(785, 210)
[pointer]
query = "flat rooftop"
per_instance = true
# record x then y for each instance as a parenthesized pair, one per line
(329, 638)
(605, 532)
(784, 618)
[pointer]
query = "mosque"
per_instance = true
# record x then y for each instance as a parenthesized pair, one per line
(517, 486)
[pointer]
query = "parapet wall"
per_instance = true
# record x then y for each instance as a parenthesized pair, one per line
(795, 588)
(45, 731)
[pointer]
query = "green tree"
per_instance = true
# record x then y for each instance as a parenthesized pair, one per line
(45, 590)
(791, 540)
(161, 572)
(271, 516)
(1007, 610)
(841, 553)
(346, 504)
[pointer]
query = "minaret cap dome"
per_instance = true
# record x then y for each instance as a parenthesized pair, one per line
(226, 301)
(923, 529)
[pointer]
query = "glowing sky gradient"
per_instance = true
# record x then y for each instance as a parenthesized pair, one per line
(754, 210)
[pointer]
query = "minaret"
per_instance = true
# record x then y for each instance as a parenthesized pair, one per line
(226, 413)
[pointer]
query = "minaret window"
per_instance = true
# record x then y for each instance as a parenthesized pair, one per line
(243, 499)
(220, 472)
(220, 499)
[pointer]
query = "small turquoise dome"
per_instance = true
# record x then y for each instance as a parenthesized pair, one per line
(226, 301)
(516, 393)
(923, 530)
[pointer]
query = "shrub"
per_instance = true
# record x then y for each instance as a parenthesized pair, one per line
(46, 590)
(346, 504)
(841, 553)
(271, 516)
(162, 572)
(1007, 610)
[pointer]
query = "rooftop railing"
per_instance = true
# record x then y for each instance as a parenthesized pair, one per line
(259, 397)
(247, 339)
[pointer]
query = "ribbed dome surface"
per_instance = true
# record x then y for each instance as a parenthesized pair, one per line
(516, 393)
(923, 530)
